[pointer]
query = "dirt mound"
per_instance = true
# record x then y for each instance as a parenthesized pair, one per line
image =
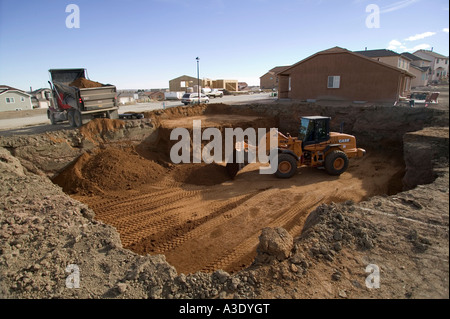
(83, 83)
(110, 169)
(201, 174)
(71, 179)
(99, 127)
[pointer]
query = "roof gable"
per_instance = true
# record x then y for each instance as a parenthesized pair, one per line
(433, 54)
(339, 50)
(8, 89)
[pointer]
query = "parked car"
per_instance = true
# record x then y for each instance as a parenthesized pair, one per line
(192, 98)
(215, 93)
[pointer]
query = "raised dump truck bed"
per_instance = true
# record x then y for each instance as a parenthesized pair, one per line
(78, 100)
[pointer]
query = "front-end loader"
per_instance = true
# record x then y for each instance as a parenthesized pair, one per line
(315, 146)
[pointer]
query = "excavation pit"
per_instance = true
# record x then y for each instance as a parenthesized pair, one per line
(194, 214)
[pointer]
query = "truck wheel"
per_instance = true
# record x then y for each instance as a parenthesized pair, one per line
(51, 117)
(287, 166)
(71, 117)
(78, 121)
(336, 163)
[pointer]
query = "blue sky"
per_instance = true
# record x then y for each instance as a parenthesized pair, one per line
(145, 43)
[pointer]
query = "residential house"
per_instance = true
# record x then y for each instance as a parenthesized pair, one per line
(156, 96)
(340, 74)
(389, 57)
(126, 98)
(420, 67)
(421, 75)
(242, 86)
(269, 81)
(41, 98)
(439, 64)
(182, 83)
(229, 85)
(12, 99)
(190, 84)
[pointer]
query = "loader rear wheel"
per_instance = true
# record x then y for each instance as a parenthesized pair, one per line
(336, 163)
(287, 166)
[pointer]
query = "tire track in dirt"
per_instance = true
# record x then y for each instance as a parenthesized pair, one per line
(233, 256)
(177, 235)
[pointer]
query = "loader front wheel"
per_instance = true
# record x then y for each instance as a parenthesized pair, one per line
(287, 166)
(336, 163)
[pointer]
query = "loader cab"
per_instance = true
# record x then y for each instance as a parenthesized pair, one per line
(314, 130)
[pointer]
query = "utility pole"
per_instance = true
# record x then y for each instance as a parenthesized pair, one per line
(198, 79)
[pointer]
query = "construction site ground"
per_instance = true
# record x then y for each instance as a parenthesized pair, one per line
(107, 199)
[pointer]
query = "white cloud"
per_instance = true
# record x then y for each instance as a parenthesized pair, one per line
(420, 36)
(397, 46)
(420, 47)
(445, 30)
(397, 6)
(394, 44)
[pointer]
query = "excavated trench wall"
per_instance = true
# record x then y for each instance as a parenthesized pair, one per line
(376, 128)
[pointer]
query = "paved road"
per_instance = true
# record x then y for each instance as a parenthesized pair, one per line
(39, 123)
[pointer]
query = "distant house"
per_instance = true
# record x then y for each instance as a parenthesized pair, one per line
(156, 96)
(389, 57)
(439, 64)
(420, 67)
(12, 99)
(269, 81)
(126, 98)
(39, 98)
(340, 74)
(242, 86)
(182, 83)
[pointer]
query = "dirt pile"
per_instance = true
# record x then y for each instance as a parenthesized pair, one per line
(201, 174)
(106, 170)
(98, 128)
(83, 83)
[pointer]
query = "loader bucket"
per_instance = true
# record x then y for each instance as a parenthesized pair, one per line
(233, 168)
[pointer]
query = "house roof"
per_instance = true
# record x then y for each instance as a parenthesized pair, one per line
(377, 53)
(413, 57)
(279, 69)
(184, 76)
(337, 50)
(6, 88)
(420, 68)
(433, 54)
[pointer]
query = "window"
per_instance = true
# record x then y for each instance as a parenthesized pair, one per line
(334, 82)
(289, 83)
(10, 100)
(399, 62)
(183, 84)
(22, 99)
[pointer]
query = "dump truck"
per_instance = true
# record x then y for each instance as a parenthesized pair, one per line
(315, 146)
(78, 100)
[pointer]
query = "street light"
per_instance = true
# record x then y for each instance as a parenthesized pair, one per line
(198, 79)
